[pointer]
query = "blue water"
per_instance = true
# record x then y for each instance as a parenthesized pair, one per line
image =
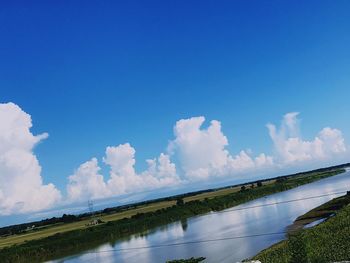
(265, 219)
(315, 223)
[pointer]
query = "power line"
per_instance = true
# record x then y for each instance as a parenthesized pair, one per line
(187, 242)
(224, 238)
(277, 203)
(91, 206)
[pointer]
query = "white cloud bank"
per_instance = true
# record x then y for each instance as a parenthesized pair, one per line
(290, 148)
(203, 153)
(87, 182)
(195, 154)
(21, 185)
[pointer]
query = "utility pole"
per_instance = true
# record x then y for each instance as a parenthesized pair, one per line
(91, 206)
(93, 219)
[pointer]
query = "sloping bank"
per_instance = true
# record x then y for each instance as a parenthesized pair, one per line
(76, 241)
(326, 242)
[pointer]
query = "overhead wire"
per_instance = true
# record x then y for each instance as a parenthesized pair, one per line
(222, 238)
(277, 203)
(187, 242)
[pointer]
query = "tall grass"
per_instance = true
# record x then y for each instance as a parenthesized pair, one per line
(327, 242)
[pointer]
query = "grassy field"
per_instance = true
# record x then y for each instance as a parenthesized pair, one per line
(221, 192)
(61, 228)
(326, 242)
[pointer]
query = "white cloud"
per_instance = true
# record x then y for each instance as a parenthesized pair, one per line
(332, 141)
(162, 169)
(123, 177)
(202, 152)
(121, 159)
(21, 185)
(87, 182)
(291, 148)
(243, 162)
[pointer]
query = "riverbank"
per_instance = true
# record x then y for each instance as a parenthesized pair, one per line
(75, 241)
(190, 260)
(319, 213)
(326, 242)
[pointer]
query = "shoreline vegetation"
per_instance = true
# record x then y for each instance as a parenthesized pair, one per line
(320, 213)
(189, 260)
(72, 242)
(326, 242)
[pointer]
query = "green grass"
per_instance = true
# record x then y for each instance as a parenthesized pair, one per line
(326, 242)
(190, 260)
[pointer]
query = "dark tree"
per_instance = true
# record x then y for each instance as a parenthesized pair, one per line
(180, 201)
(281, 179)
(259, 184)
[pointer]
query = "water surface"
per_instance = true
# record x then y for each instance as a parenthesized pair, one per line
(252, 221)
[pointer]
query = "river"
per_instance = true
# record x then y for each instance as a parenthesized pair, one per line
(230, 224)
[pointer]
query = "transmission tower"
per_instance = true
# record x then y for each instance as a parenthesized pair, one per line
(91, 206)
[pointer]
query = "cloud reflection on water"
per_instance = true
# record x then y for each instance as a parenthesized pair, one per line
(263, 219)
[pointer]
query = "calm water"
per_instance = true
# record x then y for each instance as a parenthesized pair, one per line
(220, 225)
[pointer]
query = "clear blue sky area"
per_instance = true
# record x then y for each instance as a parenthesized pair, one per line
(99, 73)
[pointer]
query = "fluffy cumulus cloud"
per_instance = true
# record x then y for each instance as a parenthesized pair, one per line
(161, 171)
(202, 152)
(87, 182)
(196, 153)
(21, 185)
(290, 148)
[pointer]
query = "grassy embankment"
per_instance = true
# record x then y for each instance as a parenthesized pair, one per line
(190, 260)
(77, 240)
(326, 242)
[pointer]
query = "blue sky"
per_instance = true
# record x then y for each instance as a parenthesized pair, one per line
(94, 75)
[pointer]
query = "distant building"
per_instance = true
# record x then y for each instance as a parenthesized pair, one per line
(94, 222)
(30, 228)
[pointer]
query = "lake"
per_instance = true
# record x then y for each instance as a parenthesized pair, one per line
(213, 226)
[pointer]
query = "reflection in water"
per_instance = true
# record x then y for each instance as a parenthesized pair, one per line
(319, 221)
(184, 224)
(266, 219)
